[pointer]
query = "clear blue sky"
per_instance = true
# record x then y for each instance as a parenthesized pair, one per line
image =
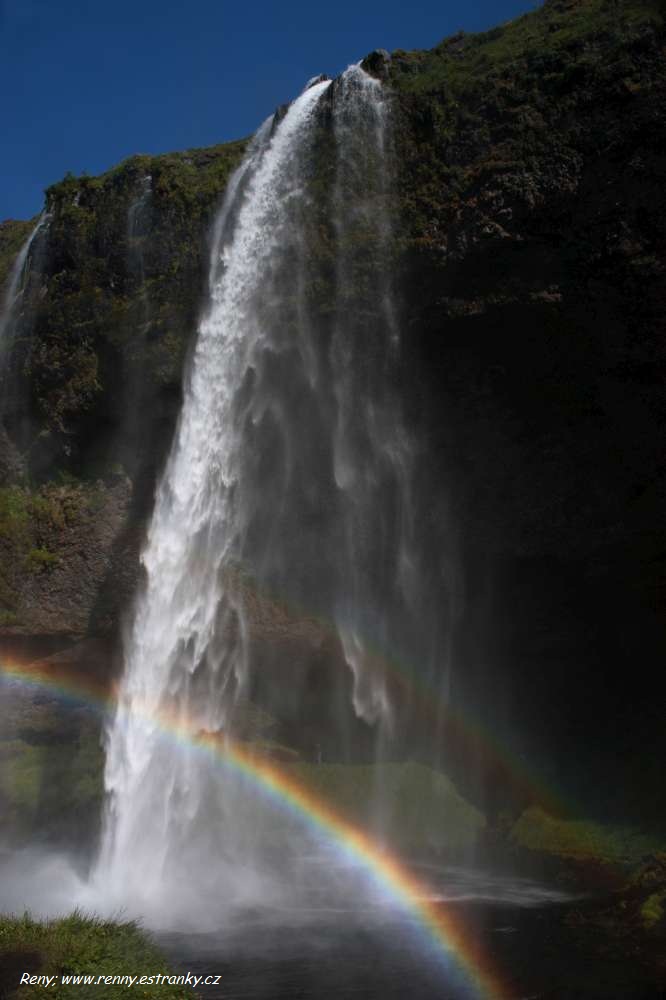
(86, 83)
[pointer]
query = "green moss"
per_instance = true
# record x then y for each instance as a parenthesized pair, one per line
(33, 525)
(581, 840)
(113, 298)
(41, 559)
(13, 511)
(15, 536)
(652, 910)
(82, 944)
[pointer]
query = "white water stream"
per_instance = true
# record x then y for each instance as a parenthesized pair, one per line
(15, 284)
(289, 469)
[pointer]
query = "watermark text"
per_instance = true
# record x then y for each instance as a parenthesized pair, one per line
(90, 979)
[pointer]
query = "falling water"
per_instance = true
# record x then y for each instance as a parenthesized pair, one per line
(15, 286)
(371, 453)
(138, 227)
(137, 209)
(288, 476)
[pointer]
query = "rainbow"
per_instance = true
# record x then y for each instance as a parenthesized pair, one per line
(473, 740)
(442, 931)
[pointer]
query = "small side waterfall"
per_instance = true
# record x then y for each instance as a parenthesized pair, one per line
(289, 476)
(371, 452)
(137, 209)
(138, 227)
(15, 285)
(16, 324)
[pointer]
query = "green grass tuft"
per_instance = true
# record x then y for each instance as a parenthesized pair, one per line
(79, 944)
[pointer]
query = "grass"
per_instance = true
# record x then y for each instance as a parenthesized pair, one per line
(80, 944)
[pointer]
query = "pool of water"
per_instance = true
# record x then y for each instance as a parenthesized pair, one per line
(516, 925)
(514, 938)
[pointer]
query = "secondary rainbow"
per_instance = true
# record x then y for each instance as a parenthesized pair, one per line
(449, 937)
(474, 740)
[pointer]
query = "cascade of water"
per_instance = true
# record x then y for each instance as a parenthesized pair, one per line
(288, 475)
(136, 210)
(15, 286)
(185, 652)
(138, 226)
(371, 452)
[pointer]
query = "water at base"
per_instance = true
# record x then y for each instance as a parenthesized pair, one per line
(383, 959)
(365, 949)
(49, 885)
(373, 951)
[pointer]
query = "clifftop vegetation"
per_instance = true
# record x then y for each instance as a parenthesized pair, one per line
(552, 48)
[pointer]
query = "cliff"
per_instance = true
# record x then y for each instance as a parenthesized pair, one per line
(530, 255)
(535, 272)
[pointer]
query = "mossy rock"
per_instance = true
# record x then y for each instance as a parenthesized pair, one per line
(653, 910)
(13, 234)
(581, 840)
(652, 872)
(411, 805)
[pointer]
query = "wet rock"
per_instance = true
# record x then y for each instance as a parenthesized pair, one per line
(377, 64)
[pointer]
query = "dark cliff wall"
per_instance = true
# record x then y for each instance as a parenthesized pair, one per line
(535, 285)
(532, 271)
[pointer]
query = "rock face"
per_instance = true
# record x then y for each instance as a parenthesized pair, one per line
(91, 385)
(535, 283)
(63, 566)
(377, 64)
(531, 254)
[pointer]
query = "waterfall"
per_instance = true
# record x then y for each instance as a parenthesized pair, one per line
(15, 287)
(289, 476)
(138, 227)
(371, 452)
(137, 208)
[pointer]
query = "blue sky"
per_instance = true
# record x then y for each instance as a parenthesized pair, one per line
(86, 83)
